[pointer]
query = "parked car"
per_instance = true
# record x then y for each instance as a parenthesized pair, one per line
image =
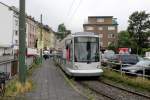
(138, 68)
(124, 60)
(104, 60)
(107, 56)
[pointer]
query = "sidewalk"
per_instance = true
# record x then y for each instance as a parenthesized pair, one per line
(51, 85)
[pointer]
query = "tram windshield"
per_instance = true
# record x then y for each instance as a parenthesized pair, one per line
(86, 49)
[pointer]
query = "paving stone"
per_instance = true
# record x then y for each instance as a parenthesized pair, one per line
(51, 85)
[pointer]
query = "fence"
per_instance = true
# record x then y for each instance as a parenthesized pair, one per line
(111, 65)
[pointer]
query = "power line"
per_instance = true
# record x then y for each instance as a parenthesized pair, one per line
(70, 8)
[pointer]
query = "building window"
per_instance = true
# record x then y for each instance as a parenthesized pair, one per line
(100, 19)
(100, 28)
(89, 28)
(109, 43)
(16, 32)
(111, 35)
(16, 41)
(30, 35)
(111, 27)
(101, 35)
(17, 22)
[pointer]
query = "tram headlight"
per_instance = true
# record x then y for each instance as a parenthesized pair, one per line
(75, 67)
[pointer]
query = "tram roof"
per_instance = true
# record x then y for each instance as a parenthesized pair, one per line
(85, 34)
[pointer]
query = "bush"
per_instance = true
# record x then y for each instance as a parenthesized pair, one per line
(37, 60)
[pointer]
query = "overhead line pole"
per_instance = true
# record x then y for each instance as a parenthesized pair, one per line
(22, 42)
(41, 40)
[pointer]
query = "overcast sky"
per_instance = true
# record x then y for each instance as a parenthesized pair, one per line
(75, 12)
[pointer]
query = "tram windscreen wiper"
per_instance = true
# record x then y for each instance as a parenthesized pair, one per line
(88, 48)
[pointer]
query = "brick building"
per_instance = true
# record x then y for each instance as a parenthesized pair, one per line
(105, 26)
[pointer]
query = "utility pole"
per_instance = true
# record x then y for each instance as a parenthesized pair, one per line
(41, 39)
(22, 42)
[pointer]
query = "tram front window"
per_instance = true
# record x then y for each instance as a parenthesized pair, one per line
(86, 49)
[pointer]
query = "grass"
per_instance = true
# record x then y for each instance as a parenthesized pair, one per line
(135, 82)
(32, 68)
(14, 87)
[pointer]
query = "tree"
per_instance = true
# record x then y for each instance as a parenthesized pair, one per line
(62, 31)
(124, 39)
(112, 46)
(61, 28)
(139, 25)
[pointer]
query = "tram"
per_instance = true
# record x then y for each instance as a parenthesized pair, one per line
(81, 54)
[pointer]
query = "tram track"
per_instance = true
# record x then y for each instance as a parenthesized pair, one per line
(112, 92)
(96, 91)
(129, 91)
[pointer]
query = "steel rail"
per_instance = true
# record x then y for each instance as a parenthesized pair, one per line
(96, 90)
(126, 90)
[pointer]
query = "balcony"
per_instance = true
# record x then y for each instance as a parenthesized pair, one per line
(114, 21)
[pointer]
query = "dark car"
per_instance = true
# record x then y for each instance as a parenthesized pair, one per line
(123, 60)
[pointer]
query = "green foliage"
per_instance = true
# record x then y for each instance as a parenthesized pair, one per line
(124, 39)
(146, 49)
(62, 31)
(113, 47)
(37, 60)
(139, 24)
(61, 28)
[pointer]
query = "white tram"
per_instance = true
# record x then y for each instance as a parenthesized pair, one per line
(81, 54)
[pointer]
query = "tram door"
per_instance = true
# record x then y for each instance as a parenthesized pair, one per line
(69, 52)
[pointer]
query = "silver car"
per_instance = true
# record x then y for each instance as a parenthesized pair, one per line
(143, 64)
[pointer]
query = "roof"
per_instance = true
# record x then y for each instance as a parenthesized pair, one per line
(13, 8)
(99, 24)
(84, 34)
(5, 46)
(100, 16)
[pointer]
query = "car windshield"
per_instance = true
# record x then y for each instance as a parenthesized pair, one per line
(86, 49)
(129, 58)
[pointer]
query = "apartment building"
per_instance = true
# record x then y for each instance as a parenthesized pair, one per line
(105, 26)
(9, 32)
(8, 29)
(48, 37)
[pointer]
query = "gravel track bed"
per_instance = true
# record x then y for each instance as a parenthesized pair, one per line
(89, 92)
(126, 87)
(113, 92)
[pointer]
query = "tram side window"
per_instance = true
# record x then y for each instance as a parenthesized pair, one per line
(69, 50)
